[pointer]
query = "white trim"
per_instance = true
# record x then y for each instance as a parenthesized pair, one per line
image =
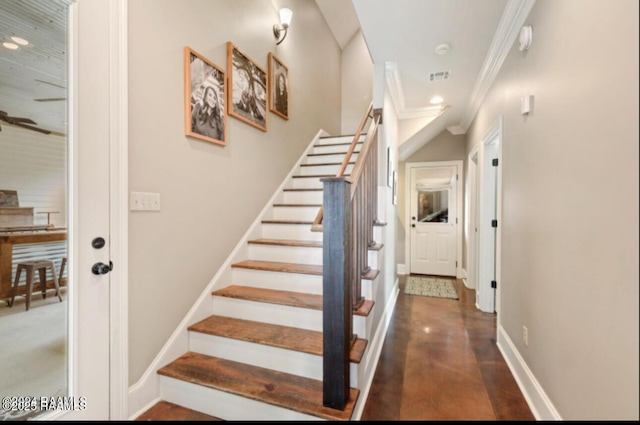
(513, 17)
(538, 401)
(143, 392)
(459, 164)
(119, 214)
(471, 218)
(373, 356)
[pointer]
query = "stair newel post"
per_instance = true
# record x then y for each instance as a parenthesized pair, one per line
(336, 290)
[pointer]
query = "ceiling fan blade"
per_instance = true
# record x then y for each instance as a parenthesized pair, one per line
(51, 99)
(19, 120)
(39, 130)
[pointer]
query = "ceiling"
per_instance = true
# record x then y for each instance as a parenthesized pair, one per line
(33, 77)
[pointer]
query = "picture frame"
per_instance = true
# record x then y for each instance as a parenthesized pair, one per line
(248, 91)
(205, 88)
(278, 87)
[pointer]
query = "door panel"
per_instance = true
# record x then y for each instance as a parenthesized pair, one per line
(433, 220)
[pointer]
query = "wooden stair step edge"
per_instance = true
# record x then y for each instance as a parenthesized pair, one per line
(165, 411)
(287, 242)
(265, 385)
(289, 298)
(277, 266)
(285, 337)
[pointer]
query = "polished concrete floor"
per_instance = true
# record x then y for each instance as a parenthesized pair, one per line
(440, 362)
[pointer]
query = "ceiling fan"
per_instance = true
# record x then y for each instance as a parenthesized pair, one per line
(21, 122)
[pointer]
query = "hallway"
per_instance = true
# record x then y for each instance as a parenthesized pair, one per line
(440, 362)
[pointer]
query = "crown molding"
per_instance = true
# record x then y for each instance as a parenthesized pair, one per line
(513, 17)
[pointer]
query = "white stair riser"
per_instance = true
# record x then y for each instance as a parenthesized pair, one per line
(373, 259)
(286, 254)
(306, 183)
(295, 213)
(295, 282)
(314, 170)
(276, 314)
(280, 359)
(223, 405)
(338, 139)
(296, 197)
(338, 157)
(339, 149)
(290, 231)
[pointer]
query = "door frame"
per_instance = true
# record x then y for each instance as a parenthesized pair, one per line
(409, 166)
(471, 220)
(490, 198)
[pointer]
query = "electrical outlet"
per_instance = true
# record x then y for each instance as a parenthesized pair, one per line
(525, 336)
(141, 201)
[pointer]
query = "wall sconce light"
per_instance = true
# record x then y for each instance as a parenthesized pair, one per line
(280, 31)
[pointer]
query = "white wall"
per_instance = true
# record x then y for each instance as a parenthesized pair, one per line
(35, 165)
(357, 82)
(210, 194)
(570, 206)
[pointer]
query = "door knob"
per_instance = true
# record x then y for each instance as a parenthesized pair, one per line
(101, 268)
(413, 225)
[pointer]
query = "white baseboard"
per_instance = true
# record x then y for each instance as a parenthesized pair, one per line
(540, 405)
(375, 350)
(402, 269)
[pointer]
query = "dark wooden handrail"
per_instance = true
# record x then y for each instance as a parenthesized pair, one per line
(347, 218)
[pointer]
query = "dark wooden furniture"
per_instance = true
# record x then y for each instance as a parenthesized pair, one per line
(7, 241)
(31, 267)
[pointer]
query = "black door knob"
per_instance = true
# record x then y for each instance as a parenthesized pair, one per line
(100, 268)
(413, 225)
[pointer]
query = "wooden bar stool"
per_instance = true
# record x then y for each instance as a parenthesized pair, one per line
(31, 267)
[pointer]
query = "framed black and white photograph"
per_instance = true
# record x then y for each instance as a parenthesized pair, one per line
(279, 87)
(247, 89)
(204, 96)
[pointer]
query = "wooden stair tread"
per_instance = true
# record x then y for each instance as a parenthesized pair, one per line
(319, 145)
(329, 153)
(318, 176)
(165, 411)
(277, 388)
(277, 266)
(289, 338)
(287, 222)
(303, 190)
(289, 298)
(287, 242)
(325, 164)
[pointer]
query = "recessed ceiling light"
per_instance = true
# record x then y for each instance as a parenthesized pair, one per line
(20, 41)
(10, 46)
(443, 49)
(436, 100)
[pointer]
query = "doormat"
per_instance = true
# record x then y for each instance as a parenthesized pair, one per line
(430, 287)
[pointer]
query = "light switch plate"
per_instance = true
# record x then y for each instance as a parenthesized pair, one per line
(143, 201)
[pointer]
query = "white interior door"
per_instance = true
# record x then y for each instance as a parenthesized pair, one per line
(433, 232)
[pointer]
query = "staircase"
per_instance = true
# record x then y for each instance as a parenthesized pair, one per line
(258, 356)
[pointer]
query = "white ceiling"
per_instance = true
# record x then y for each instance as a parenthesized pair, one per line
(402, 36)
(37, 70)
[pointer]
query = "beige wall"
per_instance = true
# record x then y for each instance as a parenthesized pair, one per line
(209, 194)
(444, 147)
(357, 83)
(570, 204)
